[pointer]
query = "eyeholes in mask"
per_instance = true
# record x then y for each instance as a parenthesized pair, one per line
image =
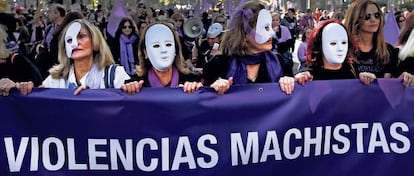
(69, 41)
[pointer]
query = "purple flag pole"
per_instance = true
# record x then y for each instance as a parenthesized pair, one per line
(391, 29)
(229, 6)
(117, 13)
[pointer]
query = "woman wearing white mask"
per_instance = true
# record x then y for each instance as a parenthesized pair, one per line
(329, 54)
(85, 61)
(247, 57)
(161, 63)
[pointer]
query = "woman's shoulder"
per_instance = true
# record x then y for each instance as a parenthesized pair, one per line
(50, 82)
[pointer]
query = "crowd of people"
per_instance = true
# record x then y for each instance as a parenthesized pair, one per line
(151, 48)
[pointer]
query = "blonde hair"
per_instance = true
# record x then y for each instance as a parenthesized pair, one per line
(353, 19)
(4, 52)
(144, 64)
(407, 50)
(234, 41)
(102, 55)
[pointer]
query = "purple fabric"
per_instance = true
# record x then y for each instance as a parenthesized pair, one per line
(245, 15)
(391, 29)
(389, 90)
(238, 70)
(117, 13)
(285, 34)
(127, 53)
(229, 7)
(302, 52)
(197, 9)
(49, 35)
(155, 82)
(245, 122)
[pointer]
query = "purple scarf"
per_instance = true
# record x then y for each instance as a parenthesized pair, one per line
(238, 66)
(127, 53)
(155, 82)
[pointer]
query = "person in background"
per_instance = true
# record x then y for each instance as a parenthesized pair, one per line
(306, 21)
(291, 22)
(23, 38)
(324, 16)
(125, 45)
(302, 48)
(365, 24)
(150, 15)
(246, 52)
(15, 69)
(339, 16)
(221, 19)
(141, 28)
(281, 42)
(38, 32)
(178, 18)
(55, 16)
(400, 18)
(406, 43)
(101, 21)
(161, 63)
(208, 48)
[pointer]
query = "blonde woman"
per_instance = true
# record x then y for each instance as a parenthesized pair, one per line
(85, 60)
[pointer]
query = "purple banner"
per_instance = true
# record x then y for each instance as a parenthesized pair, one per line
(323, 128)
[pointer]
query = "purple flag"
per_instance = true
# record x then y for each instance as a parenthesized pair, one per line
(391, 29)
(197, 9)
(117, 13)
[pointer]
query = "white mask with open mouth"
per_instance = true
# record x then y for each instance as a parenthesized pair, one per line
(160, 46)
(71, 38)
(264, 30)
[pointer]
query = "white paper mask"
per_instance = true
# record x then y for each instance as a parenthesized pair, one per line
(264, 29)
(160, 46)
(334, 43)
(71, 38)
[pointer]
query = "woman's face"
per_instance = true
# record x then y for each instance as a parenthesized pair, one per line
(262, 40)
(371, 19)
(179, 22)
(142, 28)
(78, 42)
(401, 21)
(127, 28)
(254, 47)
(307, 33)
(275, 21)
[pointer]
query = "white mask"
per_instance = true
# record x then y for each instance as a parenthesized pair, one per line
(71, 38)
(334, 43)
(160, 46)
(264, 29)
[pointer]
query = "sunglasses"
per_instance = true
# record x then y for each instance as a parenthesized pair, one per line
(401, 20)
(221, 22)
(124, 27)
(377, 15)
